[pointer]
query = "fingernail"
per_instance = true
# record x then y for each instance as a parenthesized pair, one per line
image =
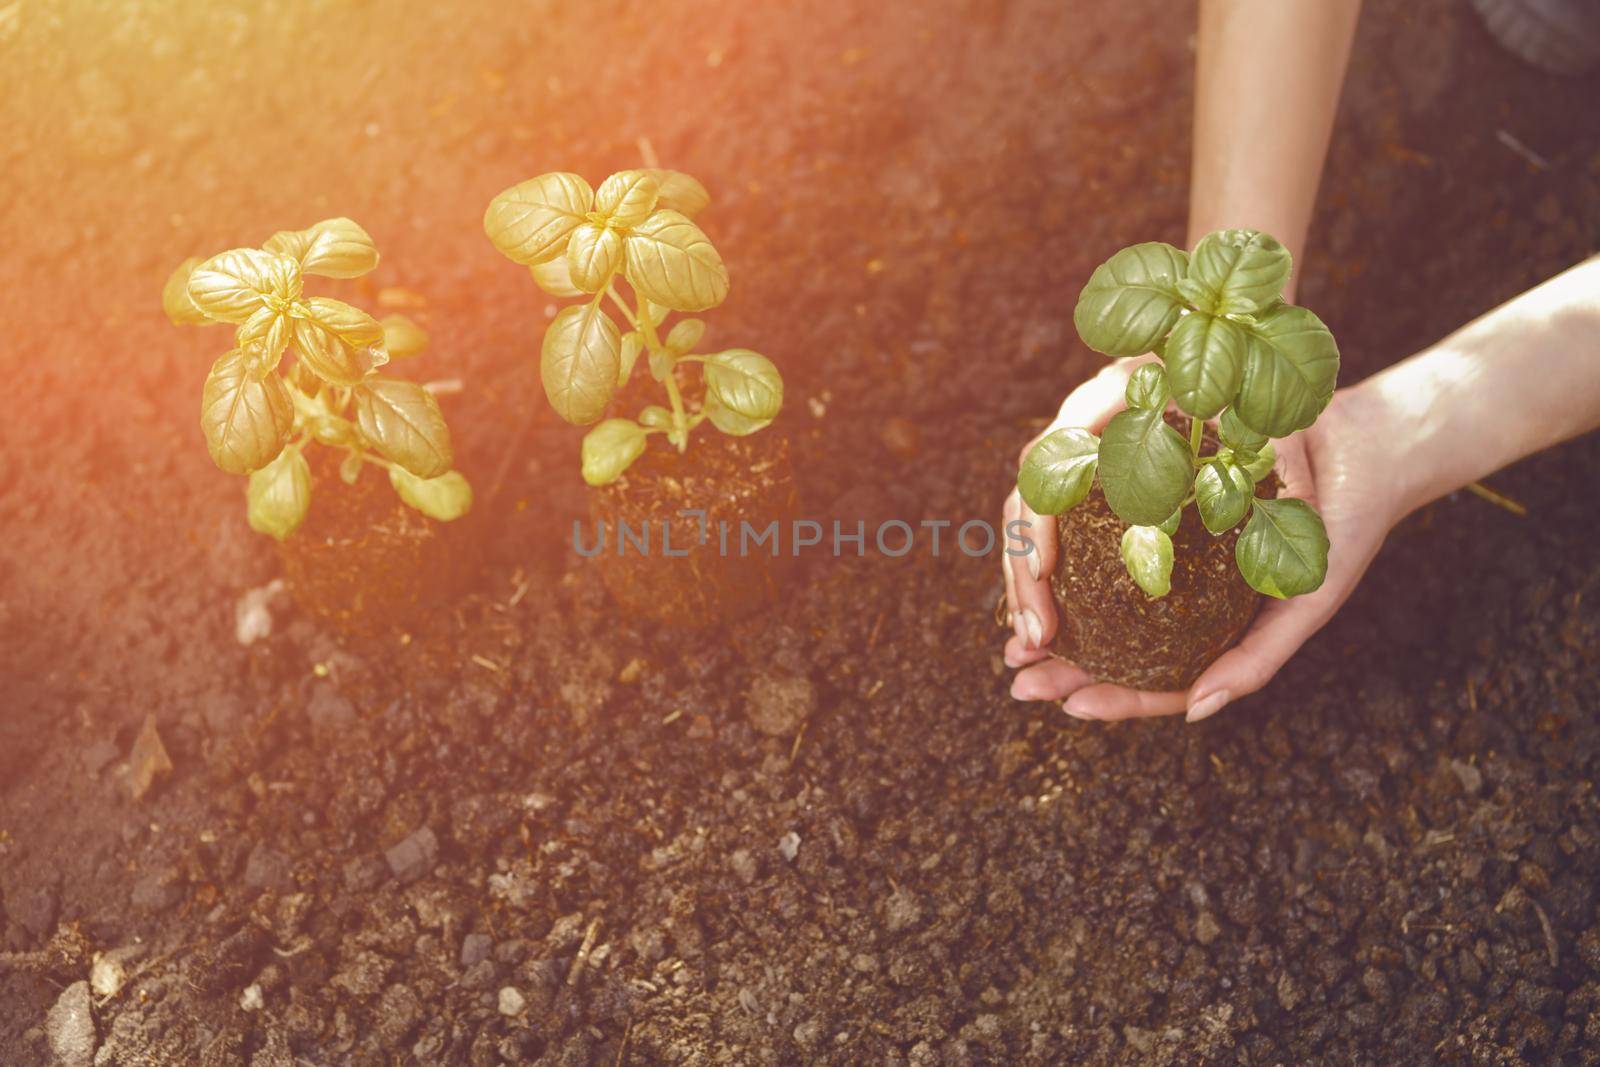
(1035, 628)
(1033, 562)
(1076, 713)
(1010, 662)
(1207, 706)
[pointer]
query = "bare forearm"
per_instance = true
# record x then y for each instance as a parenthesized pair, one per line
(1520, 378)
(1267, 81)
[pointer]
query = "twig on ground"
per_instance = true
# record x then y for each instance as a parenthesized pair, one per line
(1483, 492)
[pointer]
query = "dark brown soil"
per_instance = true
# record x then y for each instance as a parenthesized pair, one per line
(363, 561)
(1115, 631)
(696, 570)
(1389, 855)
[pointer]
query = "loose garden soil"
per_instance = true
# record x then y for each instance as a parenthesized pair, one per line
(531, 830)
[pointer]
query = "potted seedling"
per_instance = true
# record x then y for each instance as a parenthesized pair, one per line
(667, 519)
(361, 556)
(1170, 529)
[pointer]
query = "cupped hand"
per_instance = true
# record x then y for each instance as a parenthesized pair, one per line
(1334, 466)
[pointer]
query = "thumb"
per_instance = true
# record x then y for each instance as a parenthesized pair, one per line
(1279, 631)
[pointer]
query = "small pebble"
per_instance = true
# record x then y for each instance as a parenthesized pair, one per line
(789, 845)
(511, 1002)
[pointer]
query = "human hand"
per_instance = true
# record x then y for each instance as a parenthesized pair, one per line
(1335, 466)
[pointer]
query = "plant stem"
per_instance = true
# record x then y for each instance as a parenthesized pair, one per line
(680, 418)
(1196, 428)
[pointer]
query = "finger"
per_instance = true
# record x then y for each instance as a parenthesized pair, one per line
(1293, 468)
(1009, 512)
(1279, 631)
(1018, 654)
(1111, 702)
(1092, 404)
(1052, 679)
(1036, 605)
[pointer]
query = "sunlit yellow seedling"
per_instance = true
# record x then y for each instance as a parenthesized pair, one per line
(258, 417)
(638, 228)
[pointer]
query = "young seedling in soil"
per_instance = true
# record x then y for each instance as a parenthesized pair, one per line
(1229, 349)
(259, 416)
(637, 231)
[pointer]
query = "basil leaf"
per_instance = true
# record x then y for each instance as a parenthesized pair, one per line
(531, 221)
(1242, 270)
(679, 191)
(332, 248)
(1237, 436)
(246, 419)
(1291, 363)
(230, 286)
(1170, 527)
(743, 383)
(685, 334)
(402, 338)
(1147, 553)
(1131, 300)
(580, 362)
(610, 448)
(627, 197)
(1146, 468)
(1283, 550)
(1058, 470)
(1147, 387)
(1222, 492)
(1205, 359)
(279, 495)
(403, 423)
(671, 262)
(1258, 464)
(593, 255)
(445, 498)
(175, 299)
(656, 417)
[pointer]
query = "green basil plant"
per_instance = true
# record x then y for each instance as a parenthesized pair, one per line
(1230, 349)
(259, 414)
(637, 229)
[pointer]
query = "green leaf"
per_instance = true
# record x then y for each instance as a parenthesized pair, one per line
(671, 262)
(230, 286)
(1131, 300)
(332, 248)
(679, 191)
(1290, 366)
(350, 467)
(610, 448)
(1147, 553)
(446, 498)
(1146, 468)
(593, 255)
(246, 419)
(403, 423)
(685, 334)
(175, 300)
(1236, 435)
(1241, 270)
(627, 197)
(1170, 527)
(1147, 387)
(656, 417)
(1205, 359)
(632, 345)
(1283, 551)
(531, 222)
(1259, 464)
(555, 278)
(1222, 492)
(402, 338)
(742, 383)
(279, 495)
(337, 342)
(580, 362)
(1058, 470)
